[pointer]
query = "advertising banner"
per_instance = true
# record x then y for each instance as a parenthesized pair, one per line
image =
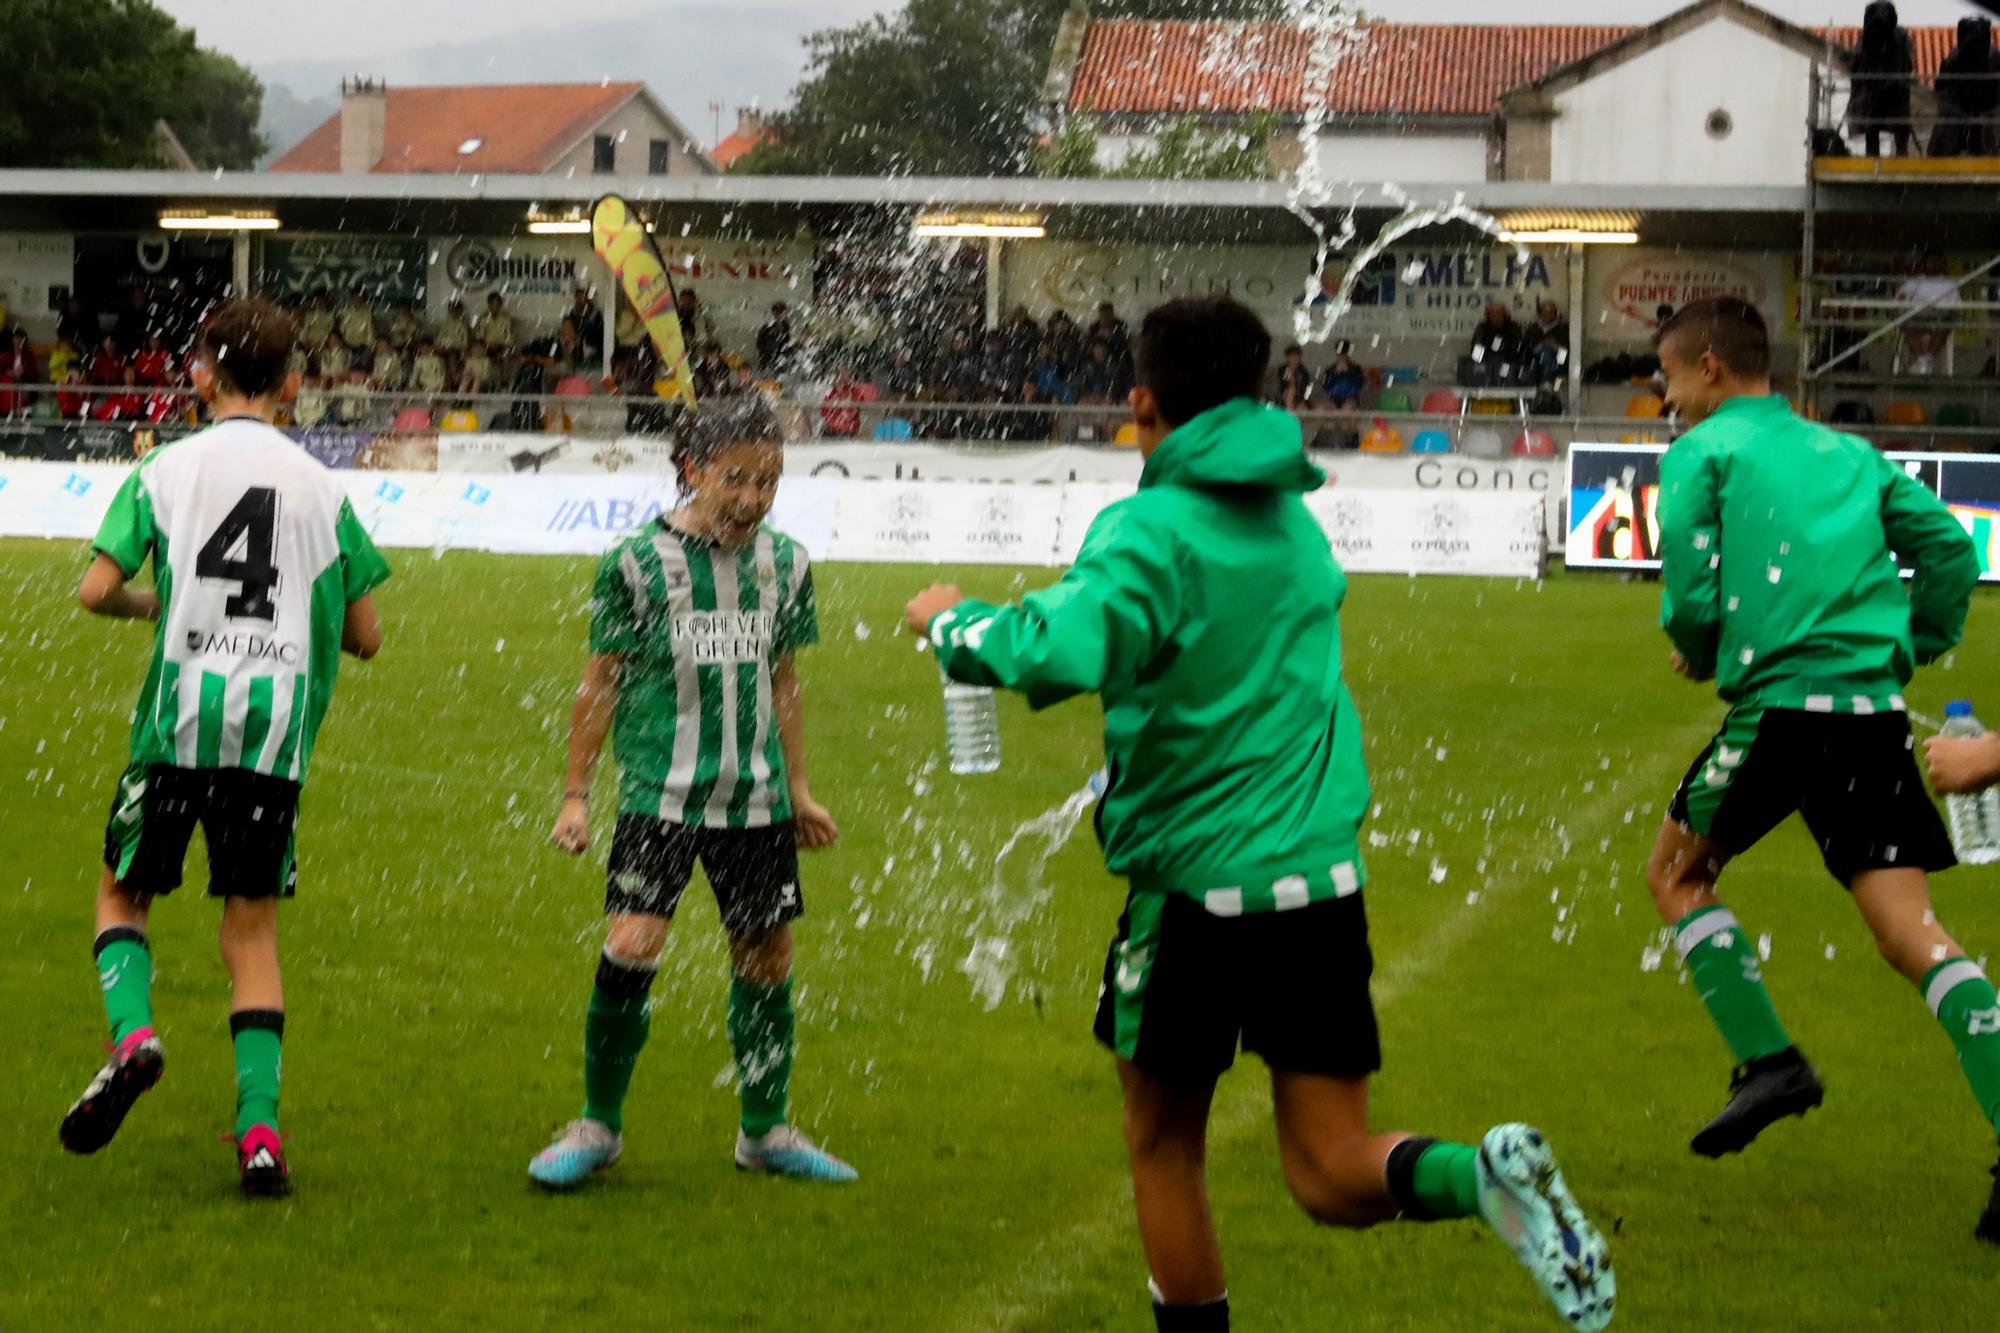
(388, 268)
(964, 524)
(1615, 498)
(1409, 532)
(1628, 285)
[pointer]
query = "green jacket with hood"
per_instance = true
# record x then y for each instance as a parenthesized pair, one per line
(1775, 536)
(1204, 612)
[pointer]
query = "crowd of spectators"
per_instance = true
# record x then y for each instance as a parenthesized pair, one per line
(1967, 89)
(128, 366)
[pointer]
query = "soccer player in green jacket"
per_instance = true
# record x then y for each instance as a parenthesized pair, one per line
(1776, 535)
(1204, 612)
(693, 626)
(261, 578)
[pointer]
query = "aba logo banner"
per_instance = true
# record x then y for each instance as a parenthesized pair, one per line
(476, 494)
(389, 492)
(77, 484)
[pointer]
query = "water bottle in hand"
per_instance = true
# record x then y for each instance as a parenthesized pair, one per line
(1975, 818)
(972, 728)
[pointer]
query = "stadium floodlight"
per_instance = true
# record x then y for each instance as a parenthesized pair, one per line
(187, 220)
(1010, 226)
(1574, 236)
(541, 225)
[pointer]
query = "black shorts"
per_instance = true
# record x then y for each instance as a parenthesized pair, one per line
(754, 871)
(248, 819)
(1853, 776)
(1183, 987)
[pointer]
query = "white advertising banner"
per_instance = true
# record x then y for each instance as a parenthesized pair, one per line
(1628, 286)
(482, 453)
(1373, 529)
(962, 462)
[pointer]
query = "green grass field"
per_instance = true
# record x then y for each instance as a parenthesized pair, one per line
(1523, 738)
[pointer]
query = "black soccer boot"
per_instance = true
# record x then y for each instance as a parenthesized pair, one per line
(1989, 1222)
(1761, 1093)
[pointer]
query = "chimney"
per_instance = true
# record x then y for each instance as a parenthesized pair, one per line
(750, 123)
(364, 117)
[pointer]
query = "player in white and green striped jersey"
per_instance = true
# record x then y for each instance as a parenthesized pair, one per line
(694, 623)
(261, 577)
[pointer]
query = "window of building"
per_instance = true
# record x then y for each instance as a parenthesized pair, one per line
(659, 155)
(604, 155)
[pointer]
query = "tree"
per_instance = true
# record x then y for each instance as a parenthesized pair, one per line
(87, 80)
(943, 87)
(1181, 149)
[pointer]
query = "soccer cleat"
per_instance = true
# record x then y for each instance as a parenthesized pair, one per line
(786, 1152)
(1989, 1221)
(1761, 1093)
(1523, 1198)
(260, 1157)
(134, 1067)
(583, 1147)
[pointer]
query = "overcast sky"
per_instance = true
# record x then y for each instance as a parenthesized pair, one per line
(694, 52)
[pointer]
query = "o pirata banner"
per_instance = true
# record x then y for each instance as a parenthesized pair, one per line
(621, 241)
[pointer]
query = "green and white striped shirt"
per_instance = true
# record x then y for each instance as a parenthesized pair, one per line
(700, 629)
(256, 555)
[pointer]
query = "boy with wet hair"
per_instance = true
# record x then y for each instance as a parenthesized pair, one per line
(1776, 535)
(1235, 797)
(261, 579)
(694, 624)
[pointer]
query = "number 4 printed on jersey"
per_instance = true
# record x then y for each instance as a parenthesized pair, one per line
(243, 550)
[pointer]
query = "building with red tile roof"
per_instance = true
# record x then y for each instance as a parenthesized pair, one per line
(750, 131)
(542, 129)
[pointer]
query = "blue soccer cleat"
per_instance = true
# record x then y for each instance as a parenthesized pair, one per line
(582, 1149)
(786, 1152)
(1523, 1198)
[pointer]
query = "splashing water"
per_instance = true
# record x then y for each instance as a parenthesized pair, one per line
(1016, 892)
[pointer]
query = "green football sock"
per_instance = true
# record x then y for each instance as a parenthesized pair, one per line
(1431, 1181)
(614, 1032)
(1724, 964)
(125, 971)
(1965, 1003)
(762, 1032)
(258, 1035)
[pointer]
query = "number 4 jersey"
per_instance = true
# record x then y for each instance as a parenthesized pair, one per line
(256, 556)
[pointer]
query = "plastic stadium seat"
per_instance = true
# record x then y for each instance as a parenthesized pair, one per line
(1645, 407)
(1492, 407)
(1639, 439)
(1904, 414)
(1958, 416)
(1431, 442)
(1382, 439)
(1484, 444)
(413, 419)
(1851, 412)
(1533, 444)
(892, 430)
(1393, 400)
(1442, 402)
(1392, 375)
(1127, 436)
(460, 418)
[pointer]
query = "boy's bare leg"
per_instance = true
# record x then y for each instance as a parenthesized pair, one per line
(1334, 1167)
(249, 939)
(1166, 1133)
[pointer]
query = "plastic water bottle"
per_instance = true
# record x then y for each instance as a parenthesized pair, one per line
(972, 728)
(1975, 819)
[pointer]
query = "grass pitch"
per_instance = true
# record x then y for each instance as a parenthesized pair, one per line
(1523, 739)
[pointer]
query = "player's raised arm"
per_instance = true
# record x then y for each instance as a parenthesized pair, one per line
(1691, 556)
(589, 723)
(1923, 531)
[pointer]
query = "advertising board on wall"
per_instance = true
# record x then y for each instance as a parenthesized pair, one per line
(1615, 503)
(1628, 285)
(388, 268)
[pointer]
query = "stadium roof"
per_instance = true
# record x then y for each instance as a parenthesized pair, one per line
(464, 129)
(1394, 70)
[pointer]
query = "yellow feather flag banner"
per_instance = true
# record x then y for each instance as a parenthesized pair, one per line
(622, 242)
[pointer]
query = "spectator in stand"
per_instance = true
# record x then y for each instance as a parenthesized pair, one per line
(709, 370)
(775, 342)
(165, 404)
(1929, 334)
(998, 374)
(1968, 90)
(1098, 380)
(454, 332)
(1292, 382)
(352, 405)
(316, 324)
(299, 363)
(155, 361)
(18, 360)
(357, 320)
(1051, 381)
(181, 314)
(523, 374)
(427, 370)
(78, 323)
(546, 362)
(386, 372)
(63, 359)
(1113, 330)
(496, 326)
(107, 363)
(405, 327)
(137, 319)
(636, 370)
(904, 380)
(1883, 70)
(72, 404)
(336, 360)
(476, 372)
(1025, 424)
(844, 422)
(742, 379)
(1065, 341)
(1340, 386)
(1499, 345)
(696, 327)
(1023, 335)
(310, 408)
(589, 321)
(1547, 341)
(127, 406)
